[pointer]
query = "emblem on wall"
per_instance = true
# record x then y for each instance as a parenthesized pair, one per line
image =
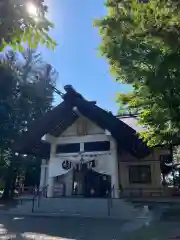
(66, 165)
(91, 164)
(84, 166)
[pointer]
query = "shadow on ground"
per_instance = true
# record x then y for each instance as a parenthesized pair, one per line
(58, 228)
(66, 228)
(6, 205)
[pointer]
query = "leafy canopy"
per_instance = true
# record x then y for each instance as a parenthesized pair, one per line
(142, 44)
(26, 94)
(19, 24)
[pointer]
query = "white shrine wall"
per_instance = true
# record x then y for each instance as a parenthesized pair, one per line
(105, 162)
(82, 122)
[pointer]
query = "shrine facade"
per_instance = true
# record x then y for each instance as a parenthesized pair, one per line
(89, 152)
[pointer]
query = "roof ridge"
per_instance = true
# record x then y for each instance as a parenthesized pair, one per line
(71, 93)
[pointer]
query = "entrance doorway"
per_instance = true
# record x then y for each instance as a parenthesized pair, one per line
(97, 184)
(88, 183)
(78, 183)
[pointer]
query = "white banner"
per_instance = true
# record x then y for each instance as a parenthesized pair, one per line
(60, 165)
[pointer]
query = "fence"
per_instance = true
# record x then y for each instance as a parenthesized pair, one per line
(150, 192)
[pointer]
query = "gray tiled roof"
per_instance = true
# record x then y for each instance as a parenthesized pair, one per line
(132, 122)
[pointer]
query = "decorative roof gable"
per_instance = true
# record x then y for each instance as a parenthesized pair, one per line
(65, 114)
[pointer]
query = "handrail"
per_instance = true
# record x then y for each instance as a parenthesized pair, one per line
(109, 200)
(38, 194)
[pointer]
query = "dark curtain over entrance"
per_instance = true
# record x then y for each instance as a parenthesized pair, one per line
(96, 184)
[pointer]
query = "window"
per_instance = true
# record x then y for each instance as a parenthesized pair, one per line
(140, 174)
(68, 148)
(97, 146)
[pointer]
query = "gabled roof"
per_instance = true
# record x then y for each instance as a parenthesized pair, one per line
(132, 121)
(61, 117)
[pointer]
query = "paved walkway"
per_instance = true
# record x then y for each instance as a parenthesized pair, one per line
(13, 227)
(71, 228)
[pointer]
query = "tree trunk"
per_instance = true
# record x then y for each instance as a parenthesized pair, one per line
(13, 184)
(8, 182)
(173, 173)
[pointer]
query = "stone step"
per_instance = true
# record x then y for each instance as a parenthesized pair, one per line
(116, 208)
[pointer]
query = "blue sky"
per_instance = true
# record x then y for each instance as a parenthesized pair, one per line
(76, 58)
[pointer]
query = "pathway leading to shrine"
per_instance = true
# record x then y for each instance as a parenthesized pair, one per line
(12, 227)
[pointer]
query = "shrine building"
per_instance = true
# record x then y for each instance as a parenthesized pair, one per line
(88, 152)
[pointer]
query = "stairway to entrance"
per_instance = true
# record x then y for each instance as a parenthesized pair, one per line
(84, 207)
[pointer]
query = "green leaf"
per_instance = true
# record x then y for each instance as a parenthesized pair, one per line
(20, 26)
(142, 45)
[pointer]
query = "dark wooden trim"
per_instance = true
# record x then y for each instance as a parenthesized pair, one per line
(139, 161)
(144, 188)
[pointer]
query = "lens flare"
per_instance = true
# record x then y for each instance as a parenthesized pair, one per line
(32, 9)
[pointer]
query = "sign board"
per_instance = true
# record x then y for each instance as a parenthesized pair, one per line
(59, 190)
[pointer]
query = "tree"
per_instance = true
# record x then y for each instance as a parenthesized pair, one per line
(24, 21)
(21, 103)
(141, 43)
